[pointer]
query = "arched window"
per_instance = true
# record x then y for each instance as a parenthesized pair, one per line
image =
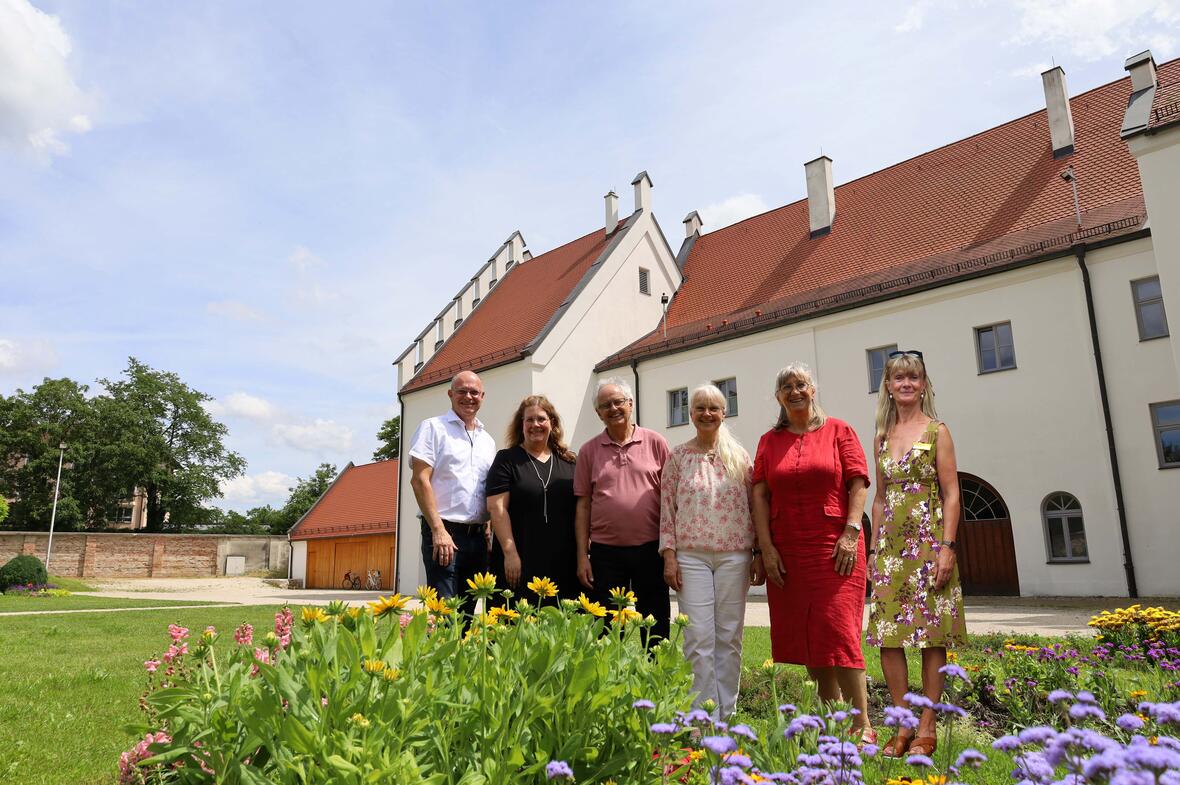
(980, 502)
(1065, 531)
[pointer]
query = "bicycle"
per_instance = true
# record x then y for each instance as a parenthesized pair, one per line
(373, 580)
(351, 581)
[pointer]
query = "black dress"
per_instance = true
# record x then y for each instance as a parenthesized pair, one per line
(546, 549)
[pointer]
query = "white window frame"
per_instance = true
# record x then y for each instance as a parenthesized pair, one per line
(419, 353)
(1060, 518)
(1158, 429)
(979, 331)
(678, 407)
(885, 351)
(438, 333)
(1140, 303)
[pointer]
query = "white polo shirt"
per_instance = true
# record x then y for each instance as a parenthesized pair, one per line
(460, 460)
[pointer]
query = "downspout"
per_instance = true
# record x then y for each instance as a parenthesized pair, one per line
(635, 373)
(1116, 477)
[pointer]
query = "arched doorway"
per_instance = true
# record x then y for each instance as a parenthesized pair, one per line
(986, 553)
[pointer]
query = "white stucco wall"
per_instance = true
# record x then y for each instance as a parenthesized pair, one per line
(1028, 431)
(299, 561)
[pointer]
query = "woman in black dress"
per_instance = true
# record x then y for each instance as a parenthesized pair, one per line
(530, 491)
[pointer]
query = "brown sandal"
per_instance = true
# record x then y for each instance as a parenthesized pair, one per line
(923, 745)
(897, 746)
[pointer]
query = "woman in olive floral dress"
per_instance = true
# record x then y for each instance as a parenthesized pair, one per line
(916, 600)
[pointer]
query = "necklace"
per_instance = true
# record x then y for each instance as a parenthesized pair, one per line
(544, 483)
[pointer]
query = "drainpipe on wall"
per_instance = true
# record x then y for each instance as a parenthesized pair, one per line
(1128, 559)
(635, 373)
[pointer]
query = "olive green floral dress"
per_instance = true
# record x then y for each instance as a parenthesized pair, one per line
(906, 609)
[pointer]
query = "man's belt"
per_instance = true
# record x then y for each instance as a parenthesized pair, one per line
(468, 524)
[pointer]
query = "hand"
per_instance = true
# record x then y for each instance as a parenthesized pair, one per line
(844, 552)
(944, 567)
(672, 575)
(772, 562)
(585, 573)
(487, 536)
(757, 571)
(444, 547)
(512, 568)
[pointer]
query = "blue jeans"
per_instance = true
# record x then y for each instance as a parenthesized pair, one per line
(471, 556)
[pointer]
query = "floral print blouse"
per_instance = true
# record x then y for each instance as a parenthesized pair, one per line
(701, 508)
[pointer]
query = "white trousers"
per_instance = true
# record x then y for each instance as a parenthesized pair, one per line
(713, 596)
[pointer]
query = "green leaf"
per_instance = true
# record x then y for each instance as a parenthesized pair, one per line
(340, 764)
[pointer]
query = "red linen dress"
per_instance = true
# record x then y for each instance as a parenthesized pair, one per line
(816, 618)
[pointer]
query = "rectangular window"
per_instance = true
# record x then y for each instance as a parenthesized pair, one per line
(644, 281)
(728, 388)
(419, 354)
(459, 308)
(438, 333)
(876, 360)
(678, 406)
(1165, 419)
(475, 292)
(994, 347)
(1149, 308)
(122, 514)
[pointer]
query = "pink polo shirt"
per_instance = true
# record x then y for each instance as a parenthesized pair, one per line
(623, 483)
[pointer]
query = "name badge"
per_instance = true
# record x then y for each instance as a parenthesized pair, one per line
(922, 446)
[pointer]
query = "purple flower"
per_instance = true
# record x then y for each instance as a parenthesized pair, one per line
(737, 759)
(697, 715)
(558, 769)
(1085, 696)
(954, 671)
(802, 723)
(900, 716)
(788, 708)
(743, 730)
(732, 775)
(1038, 734)
(921, 701)
(1153, 757)
(1129, 722)
(643, 704)
(839, 716)
(1103, 764)
(719, 745)
(1056, 696)
(969, 757)
(1080, 711)
(1132, 777)
(919, 760)
(664, 727)
(950, 708)
(1035, 766)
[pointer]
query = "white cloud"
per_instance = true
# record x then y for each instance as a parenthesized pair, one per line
(253, 489)
(915, 17)
(1096, 29)
(308, 289)
(244, 405)
(318, 436)
(232, 309)
(39, 100)
(731, 210)
(1029, 71)
(30, 356)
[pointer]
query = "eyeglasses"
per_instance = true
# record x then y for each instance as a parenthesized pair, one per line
(468, 393)
(614, 403)
(907, 352)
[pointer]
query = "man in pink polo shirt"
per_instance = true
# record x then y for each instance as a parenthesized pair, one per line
(617, 525)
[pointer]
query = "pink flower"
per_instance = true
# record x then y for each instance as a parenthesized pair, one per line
(284, 620)
(244, 635)
(177, 632)
(151, 665)
(172, 653)
(129, 773)
(404, 619)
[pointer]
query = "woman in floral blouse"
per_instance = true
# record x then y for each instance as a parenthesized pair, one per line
(706, 539)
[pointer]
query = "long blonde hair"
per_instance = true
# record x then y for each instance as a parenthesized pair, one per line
(729, 450)
(886, 408)
(817, 414)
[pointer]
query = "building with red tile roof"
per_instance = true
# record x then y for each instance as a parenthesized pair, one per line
(351, 528)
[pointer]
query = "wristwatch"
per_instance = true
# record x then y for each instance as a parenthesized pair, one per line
(853, 524)
(949, 543)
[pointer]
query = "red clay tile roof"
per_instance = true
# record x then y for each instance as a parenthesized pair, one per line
(985, 201)
(515, 311)
(1165, 106)
(363, 500)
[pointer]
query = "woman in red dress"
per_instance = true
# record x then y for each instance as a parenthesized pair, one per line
(810, 484)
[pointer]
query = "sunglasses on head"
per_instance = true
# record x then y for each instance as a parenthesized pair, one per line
(907, 352)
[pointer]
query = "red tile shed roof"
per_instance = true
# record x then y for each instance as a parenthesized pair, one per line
(985, 201)
(362, 500)
(515, 311)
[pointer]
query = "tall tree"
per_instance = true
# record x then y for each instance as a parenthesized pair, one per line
(304, 494)
(391, 439)
(182, 459)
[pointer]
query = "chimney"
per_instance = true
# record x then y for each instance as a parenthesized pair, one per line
(1057, 107)
(692, 224)
(612, 211)
(1142, 68)
(821, 195)
(642, 185)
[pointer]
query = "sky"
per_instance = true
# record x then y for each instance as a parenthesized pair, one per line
(272, 199)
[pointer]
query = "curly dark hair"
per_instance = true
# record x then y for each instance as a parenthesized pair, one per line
(557, 445)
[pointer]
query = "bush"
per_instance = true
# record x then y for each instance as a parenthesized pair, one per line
(23, 569)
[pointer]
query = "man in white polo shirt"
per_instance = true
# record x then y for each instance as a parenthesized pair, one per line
(449, 460)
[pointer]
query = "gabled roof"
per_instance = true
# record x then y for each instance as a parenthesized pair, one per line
(981, 203)
(519, 309)
(362, 500)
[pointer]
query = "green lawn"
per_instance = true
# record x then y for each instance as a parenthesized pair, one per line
(70, 584)
(12, 603)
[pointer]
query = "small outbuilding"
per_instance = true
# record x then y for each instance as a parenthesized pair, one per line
(350, 531)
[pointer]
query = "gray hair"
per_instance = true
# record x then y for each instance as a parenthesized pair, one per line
(802, 372)
(615, 381)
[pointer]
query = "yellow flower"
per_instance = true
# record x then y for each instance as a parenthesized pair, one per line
(427, 593)
(483, 583)
(438, 606)
(696, 755)
(359, 720)
(624, 615)
(542, 587)
(312, 614)
(390, 674)
(593, 608)
(1137, 694)
(384, 605)
(681, 620)
(952, 656)
(353, 612)
(373, 666)
(936, 779)
(623, 598)
(503, 614)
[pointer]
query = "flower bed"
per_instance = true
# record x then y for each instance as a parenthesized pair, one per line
(36, 590)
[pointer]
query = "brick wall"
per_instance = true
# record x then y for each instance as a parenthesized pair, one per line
(140, 555)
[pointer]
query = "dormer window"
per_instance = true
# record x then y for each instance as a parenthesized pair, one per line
(438, 333)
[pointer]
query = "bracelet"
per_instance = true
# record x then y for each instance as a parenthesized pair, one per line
(756, 552)
(949, 543)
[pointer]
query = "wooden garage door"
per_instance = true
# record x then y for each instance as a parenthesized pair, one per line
(319, 564)
(986, 553)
